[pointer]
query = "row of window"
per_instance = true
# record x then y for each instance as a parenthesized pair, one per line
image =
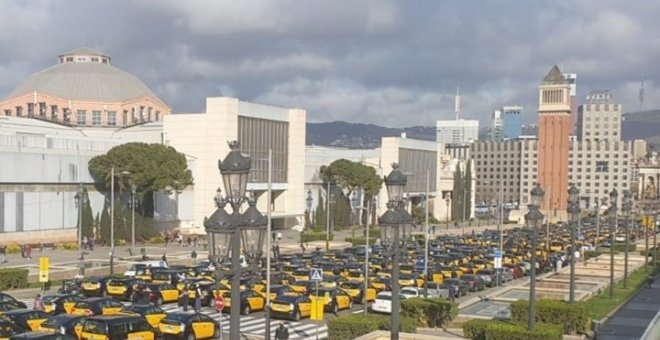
(136, 116)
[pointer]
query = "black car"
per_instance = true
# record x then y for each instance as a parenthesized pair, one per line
(42, 336)
(27, 319)
(8, 298)
(473, 281)
(8, 328)
(463, 287)
(182, 325)
(63, 323)
(95, 286)
(122, 289)
(60, 303)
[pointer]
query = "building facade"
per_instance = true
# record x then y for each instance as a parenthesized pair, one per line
(512, 121)
(84, 89)
(571, 78)
(497, 169)
(497, 126)
(599, 119)
(458, 131)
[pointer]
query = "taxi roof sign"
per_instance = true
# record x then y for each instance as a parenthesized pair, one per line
(315, 274)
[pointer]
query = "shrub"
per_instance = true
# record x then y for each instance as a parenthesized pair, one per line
(475, 329)
(314, 236)
(13, 278)
(68, 246)
(13, 248)
(573, 317)
(156, 240)
(429, 312)
(510, 331)
(360, 241)
(374, 232)
(355, 325)
(621, 247)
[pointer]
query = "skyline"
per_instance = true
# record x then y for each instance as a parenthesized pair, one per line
(377, 62)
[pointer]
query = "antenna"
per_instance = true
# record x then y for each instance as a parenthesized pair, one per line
(457, 102)
(641, 96)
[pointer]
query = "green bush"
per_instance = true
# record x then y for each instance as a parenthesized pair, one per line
(573, 317)
(314, 236)
(68, 246)
(359, 241)
(13, 248)
(475, 329)
(354, 325)
(156, 240)
(11, 278)
(621, 247)
(429, 312)
(374, 232)
(510, 331)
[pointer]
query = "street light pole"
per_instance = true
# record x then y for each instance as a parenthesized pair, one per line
(532, 218)
(269, 237)
(112, 220)
(573, 213)
(627, 208)
(133, 203)
(327, 217)
(426, 237)
(613, 225)
(447, 201)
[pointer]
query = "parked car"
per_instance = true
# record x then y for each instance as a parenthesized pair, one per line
(489, 276)
(409, 292)
(383, 303)
(474, 282)
(462, 288)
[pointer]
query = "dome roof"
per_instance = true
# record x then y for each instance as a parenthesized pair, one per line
(85, 74)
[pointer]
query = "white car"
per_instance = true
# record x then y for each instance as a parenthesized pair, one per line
(383, 303)
(409, 292)
(146, 264)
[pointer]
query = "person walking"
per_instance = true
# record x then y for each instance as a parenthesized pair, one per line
(193, 256)
(163, 259)
(184, 299)
(451, 294)
(28, 252)
(3, 253)
(38, 303)
(198, 298)
(281, 333)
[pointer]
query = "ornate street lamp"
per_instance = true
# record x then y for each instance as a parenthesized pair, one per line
(533, 218)
(81, 201)
(613, 224)
(229, 231)
(390, 226)
(573, 215)
(627, 209)
(309, 200)
(448, 202)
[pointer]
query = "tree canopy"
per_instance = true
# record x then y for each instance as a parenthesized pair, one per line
(352, 175)
(152, 167)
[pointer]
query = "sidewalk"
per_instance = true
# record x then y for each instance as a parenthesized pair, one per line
(632, 319)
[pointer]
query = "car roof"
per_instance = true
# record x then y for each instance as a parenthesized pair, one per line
(114, 319)
(18, 311)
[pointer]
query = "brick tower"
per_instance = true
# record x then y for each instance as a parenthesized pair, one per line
(554, 129)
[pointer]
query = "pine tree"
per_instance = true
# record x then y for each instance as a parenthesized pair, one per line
(468, 190)
(457, 195)
(87, 218)
(320, 212)
(104, 224)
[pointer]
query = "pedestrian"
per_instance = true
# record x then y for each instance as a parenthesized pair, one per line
(451, 294)
(281, 333)
(198, 298)
(164, 260)
(195, 241)
(84, 243)
(188, 241)
(22, 250)
(167, 240)
(433, 229)
(38, 303)
(90, 246)
(193, 256)
(303, 247)
(3, 253)
(184, 300)
(28, 252)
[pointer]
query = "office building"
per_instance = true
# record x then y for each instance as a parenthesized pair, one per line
(497, 126)
(512, 121)
(599, 119)
(571, 78)
(458, 131)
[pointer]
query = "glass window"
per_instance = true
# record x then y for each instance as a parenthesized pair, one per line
(81, 117)
(96, 118)
(112, 118)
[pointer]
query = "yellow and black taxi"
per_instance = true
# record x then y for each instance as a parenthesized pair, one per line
(192, 281)
(250, 301)
(356, 289)
(209, 291)
(291, 306)
(60, 303)
(276, 290)
(116, 327)
(246, 282)
(184, 325)
(149, 312)
(302, 286)
(4, 297)
(8, 328)
(162, 293)
(382, 283)
(300, 273)
(94, 286)
(122, 289)
(9, 306)
(27, 319)
(64, 324)
(332, 281)
(42, 336)
(171, 276)
(279, 278)
(97, 306)
(410, 280)
(333, 299)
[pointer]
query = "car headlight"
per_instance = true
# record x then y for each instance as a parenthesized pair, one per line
(291, 307)
(62, 330)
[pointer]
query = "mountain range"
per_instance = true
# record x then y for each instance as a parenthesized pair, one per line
(636, 125)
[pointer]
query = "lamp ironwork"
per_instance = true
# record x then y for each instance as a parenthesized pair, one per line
(573, 215)
(533, 218)
(627, 209)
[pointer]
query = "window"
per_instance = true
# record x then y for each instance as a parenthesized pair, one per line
(96, 118)
(81, 117)
(53, 112)
(42, 109)
(112, 118)
(30, 109)
(19, 111)
(7, 112)
(94, 59)
(69, 58)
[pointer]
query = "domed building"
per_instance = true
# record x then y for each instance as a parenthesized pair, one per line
(84, 89)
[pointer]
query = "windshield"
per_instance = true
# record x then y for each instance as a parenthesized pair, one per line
(351, 285)
(387, 297)
(116, 283)
(96, 327)
(321, 293)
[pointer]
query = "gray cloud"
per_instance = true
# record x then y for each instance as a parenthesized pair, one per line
(395, 63)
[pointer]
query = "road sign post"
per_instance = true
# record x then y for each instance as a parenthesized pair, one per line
(219, 303)
(497, 265)
(316, 275)
(43, 270)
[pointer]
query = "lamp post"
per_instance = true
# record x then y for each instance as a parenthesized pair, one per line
(448, 202)
(132, 206)
(309, 201)
(81, 200)
(627, 209)
(112, 220)
(573, 214)
(355, 200)
(390, 224)
(532, 218)
(327, 217)
(228, 232)
(613, 223)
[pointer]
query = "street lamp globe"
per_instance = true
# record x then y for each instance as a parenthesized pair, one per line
(573, 205)
(573, 193)
(537, 195)
(235, 170)
(309, 200)
(253, 230)
(395, 183)
(389, 224)
(218, 228)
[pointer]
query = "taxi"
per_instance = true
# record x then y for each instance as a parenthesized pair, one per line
(162, 293)
(27, 319)
(382, 284)
(300, 274)
(333, 299)
(64, 324)
(122, 289)
(289, 269)
(144, 273)
(246, 283)
(41, 336)
(355, 275)
(170, 276)
(9, 306)
(116, 327)
(410, 280)
(151, 313)
(302, 286)
(60, 303)
(191, 282)
(280, 278)
(332, 281)
(291, 306)
(4, 297)
(356, 290)
(97, 306)
(184, 325)
(275, 291)
(94, 286)
(8, 328)
(210, 290)
(250, 301)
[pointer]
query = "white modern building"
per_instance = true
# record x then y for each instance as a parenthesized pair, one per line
(458, 131)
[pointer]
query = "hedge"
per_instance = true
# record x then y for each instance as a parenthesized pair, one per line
(573, 317)
(374, 232)
(479, 329)
(621, 247)
(11, 278)
(354, 325)
(435, 312)
(359, 241)
(314, 236)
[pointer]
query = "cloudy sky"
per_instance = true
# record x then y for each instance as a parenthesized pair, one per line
(392, 63)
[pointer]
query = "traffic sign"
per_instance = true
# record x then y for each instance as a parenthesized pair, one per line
(43, 268)
(498, 253)
(497, 259)
(315, 274)
(219, 303)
